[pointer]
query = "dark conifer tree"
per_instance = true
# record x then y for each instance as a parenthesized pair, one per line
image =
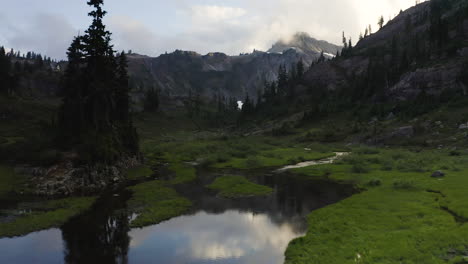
(122, 91)
(248, 106)
(321, 58)
(152, 100)
(381, 22)
(282, 80)
(94, 117)
(300, 69)
(5, 68)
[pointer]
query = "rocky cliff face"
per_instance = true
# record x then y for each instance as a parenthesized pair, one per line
(182, 72)
(422, 50)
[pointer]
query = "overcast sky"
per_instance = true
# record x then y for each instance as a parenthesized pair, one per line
(153, 27)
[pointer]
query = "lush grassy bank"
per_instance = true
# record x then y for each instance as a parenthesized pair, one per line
(8, 180)
(45, 215)
(402, 216)
(238, 186)
(154, 202)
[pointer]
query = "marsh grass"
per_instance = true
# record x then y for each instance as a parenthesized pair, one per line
(46, 215)
(238, 186)
(154, 202)
(138, 173)
(394, 207)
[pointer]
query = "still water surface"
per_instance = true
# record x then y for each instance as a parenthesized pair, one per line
(217, 230)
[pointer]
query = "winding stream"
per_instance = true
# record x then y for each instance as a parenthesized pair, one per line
(216, 230)
(315, 162)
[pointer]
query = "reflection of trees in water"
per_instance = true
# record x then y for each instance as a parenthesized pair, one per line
(293, 200)
(100, 236)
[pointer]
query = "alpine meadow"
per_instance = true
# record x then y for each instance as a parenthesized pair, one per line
(286, 148)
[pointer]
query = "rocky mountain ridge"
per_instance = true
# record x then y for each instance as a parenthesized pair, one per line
(180, 73)
(423, 51)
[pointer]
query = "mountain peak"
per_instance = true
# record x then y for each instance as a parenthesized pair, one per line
(303, 43)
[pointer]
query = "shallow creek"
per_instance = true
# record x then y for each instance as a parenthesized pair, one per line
(216, 230)
(315, 162)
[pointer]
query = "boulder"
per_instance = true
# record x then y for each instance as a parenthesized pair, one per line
(407, 132)
(438, 174)
(463, 126)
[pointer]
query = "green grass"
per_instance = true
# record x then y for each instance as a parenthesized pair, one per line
(10, 182)
(238, 186)
(184, 173)
(46, 215)
(154, 202)
(7, 180)
(141, 172)
(408, 217)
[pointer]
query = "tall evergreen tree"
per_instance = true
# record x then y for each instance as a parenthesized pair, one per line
(5, 68)
(94, 117)
(282, 80)
(345, 42)
(122, 97)
(381, 22)
(300, 69)
(152, 100)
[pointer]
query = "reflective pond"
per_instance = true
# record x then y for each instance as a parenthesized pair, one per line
(216, 230)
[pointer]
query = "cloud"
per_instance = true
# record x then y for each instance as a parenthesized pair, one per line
(227, 26)
(214, 13)
(129, 33)
(203, 237)
(49, 34)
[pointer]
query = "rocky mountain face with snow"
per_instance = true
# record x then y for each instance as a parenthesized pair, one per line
(180, 73)
(309, 47)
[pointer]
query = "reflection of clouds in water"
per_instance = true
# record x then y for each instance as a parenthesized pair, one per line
(231, 235)
(42, 247)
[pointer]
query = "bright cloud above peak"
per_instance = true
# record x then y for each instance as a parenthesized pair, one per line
(215, 13)
(153, 27)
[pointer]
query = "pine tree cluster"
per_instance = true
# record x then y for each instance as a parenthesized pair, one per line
(14, 66)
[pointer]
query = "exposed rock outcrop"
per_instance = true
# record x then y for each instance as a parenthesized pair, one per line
(65, 178)
(403, 60)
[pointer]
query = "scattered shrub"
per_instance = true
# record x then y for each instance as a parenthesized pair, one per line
(253, 162)
(359, 168)
(367, 150)
(404, 185)
(284, 130)
(387, 166)
(374, 182)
